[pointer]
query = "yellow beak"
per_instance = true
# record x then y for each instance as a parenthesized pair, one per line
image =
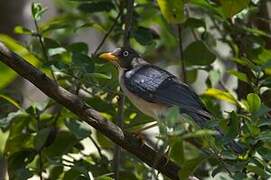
(109, 57)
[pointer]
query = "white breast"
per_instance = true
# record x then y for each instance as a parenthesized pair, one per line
(154, 110)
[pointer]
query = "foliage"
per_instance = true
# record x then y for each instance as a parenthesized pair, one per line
(47, 138)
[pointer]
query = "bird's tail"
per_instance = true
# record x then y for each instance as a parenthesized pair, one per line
(202, 120)
(235, 146)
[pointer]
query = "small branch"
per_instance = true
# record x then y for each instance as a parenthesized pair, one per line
(117, 150)
(38, 34)
(37, 117)
(181, 53)
(96, 145)
(88, 114)
(107, 34)
(128, 21)
(121, 102)
(43, 48)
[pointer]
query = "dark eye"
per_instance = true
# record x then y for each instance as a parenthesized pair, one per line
(125, 53)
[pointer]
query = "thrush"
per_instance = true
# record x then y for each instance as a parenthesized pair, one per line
(154, 90)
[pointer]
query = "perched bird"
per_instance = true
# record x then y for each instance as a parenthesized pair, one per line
(154, 90)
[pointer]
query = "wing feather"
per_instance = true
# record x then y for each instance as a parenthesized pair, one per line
(157, 85)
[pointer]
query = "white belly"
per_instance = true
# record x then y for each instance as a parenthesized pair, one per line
(154, 110)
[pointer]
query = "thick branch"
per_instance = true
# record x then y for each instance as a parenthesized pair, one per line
(88, 114)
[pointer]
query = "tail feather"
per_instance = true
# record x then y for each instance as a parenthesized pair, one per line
(201, 121)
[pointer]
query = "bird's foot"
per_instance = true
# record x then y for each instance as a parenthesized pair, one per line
(139, 136)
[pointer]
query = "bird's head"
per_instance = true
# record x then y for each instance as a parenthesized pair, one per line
(121, 57)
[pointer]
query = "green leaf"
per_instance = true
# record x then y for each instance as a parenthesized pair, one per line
(63, 144)
(91, 25)
(199, 133)
(19, 142)
(104, 178)
(51, 43)
(177, 151)
(96, 7)
(83, 63)
(233, 125)
(37, 10)
(265, 153)
(79, 47)
(198, 54)
(172, 116)
(10, 100)
(63, 22)
(254, 102)
(217, 170)
(3, 140)
(241, 76)
(222, 95)
(55, 51)
(190, 166)
(5, 121)
(232, 7)
(73, 173)
(99, 76)
(266, 97)
(214, 77)
(194, 23)
(55, 172)
(172, 10)
(143, 35)
(80, 129)
(17, 162)
(245, 62)
(265, 136)
(8, 75)
(264, 57)
(191, 75)
(41, 138)
(257, 170)
(22, 30)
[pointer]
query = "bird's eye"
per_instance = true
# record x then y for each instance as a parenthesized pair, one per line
(125, 53)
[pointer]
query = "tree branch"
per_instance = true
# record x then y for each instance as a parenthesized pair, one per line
(88, 114)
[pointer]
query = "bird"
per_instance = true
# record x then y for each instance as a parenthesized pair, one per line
(154, 90)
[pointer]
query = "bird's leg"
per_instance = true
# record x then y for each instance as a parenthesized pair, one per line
(138, 133)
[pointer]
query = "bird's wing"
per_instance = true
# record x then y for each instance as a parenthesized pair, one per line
(159, 86)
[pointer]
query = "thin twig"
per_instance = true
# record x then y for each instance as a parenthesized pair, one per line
(181, 53)
(97, 146)
(44, 51)
(128, 21)
(107, 34)
(37, 117)
(38, 34)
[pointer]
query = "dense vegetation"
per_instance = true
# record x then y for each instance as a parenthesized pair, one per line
(223, 45)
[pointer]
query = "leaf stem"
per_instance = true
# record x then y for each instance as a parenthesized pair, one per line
(37, 117)
(44, 51)
(96, 145)
(107, 34)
